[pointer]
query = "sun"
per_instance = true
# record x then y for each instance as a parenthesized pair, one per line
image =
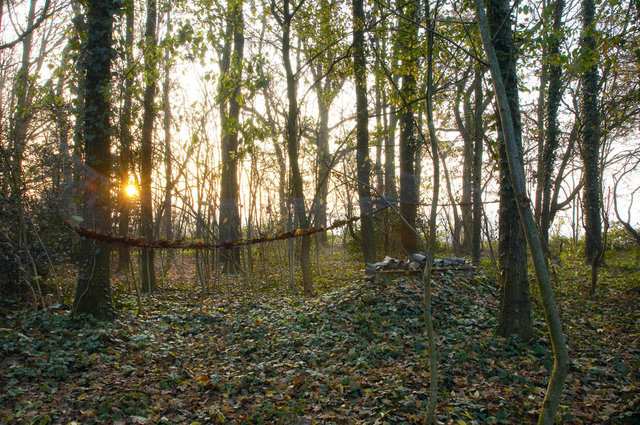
(131, 190)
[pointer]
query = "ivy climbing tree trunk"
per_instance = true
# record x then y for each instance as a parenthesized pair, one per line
(147, 274)
(409, 196)
(363, 161)
(230, 92)
(93, 292)
(516, 170)
(552, 131)
(515, 304)
(590, 143)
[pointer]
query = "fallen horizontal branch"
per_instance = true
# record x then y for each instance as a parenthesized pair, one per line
(199, 244)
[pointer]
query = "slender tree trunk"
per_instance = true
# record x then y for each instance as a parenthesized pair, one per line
(63, 128)
(295, 177)
(515, 304)
(126, 138)
(379, 166)
(466, 208)
(324, 167)
(540, 110)
(456, 228)
(516, 168)
(590, 146)
(462, 234)
(390, 122)
(478, 133)
(409, 196)
(280, 160)
(363, 162)
(148, 275)
(431, 339)
(390, 190)
(230, 94)
(168, 165)
(93, 292)
(625, 223)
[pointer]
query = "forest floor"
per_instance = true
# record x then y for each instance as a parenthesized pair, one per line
(356, 353)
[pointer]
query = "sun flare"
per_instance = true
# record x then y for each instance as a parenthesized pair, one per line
(131, 190)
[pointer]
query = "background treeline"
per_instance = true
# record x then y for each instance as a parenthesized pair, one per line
(236, 119)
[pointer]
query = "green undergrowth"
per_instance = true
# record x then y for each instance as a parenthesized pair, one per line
(356, 353)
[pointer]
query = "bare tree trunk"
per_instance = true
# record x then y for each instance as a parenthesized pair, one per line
(478, 133)
(626, 223)
(324, 167)
(168, 165)
(93, 292)
(295, 178)
(280, 160)
(390, 190)
(363, 162)
(456, 228)
(148, 275)
(379, 166)
(466, 209)
(516, 168)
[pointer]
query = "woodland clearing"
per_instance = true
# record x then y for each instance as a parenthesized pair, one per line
(356, 353)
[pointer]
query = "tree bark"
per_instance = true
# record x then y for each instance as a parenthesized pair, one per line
(515, 304)
(516, 169)
(230, 94)
(147, 274)
(93, 292)
(363, 162)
